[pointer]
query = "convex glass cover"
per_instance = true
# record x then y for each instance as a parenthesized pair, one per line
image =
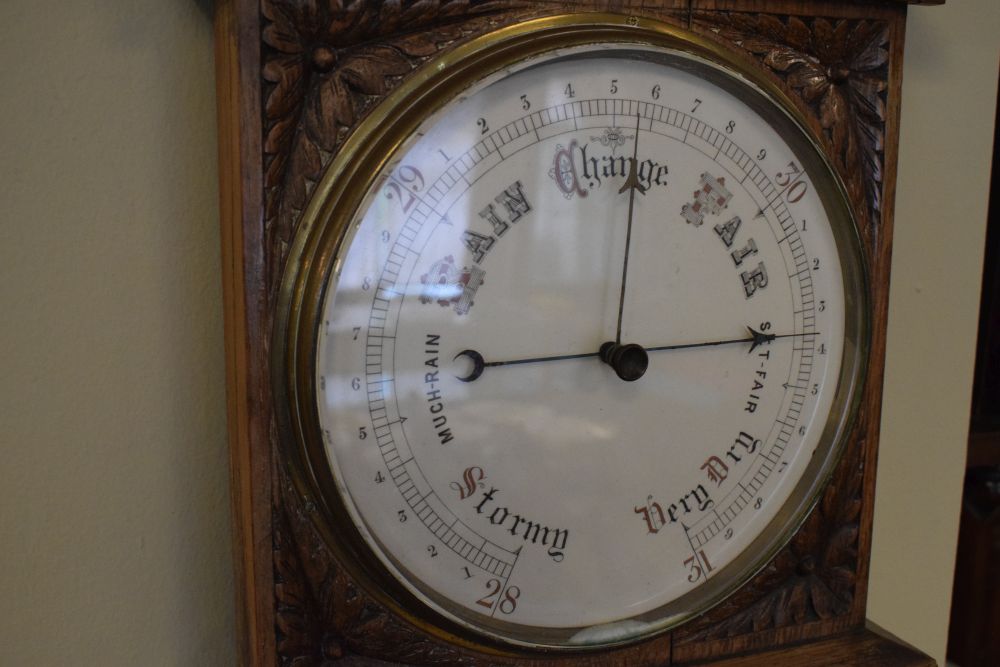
(576, 358)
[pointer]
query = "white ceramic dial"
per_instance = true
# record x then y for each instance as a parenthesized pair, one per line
(617, 197)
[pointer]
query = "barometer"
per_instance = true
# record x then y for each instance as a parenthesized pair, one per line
(576, 326)
(568, 336)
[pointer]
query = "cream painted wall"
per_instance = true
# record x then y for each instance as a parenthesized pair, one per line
(113, 482)
(114, 521)
(949, 96)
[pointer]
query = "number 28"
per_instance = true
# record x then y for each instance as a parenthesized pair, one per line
(506, 603)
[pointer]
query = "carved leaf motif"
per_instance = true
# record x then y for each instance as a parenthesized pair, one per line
(797, 34)
(787, 58)
(840, 70)
(810, 80)
(286, 73)
(366, 71)
(424, 44)
(328, 109)
(297, 634)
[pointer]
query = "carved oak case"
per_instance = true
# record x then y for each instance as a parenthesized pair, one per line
(295, 77)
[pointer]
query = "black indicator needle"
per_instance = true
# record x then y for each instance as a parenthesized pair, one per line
(756, 339)
(628, 361)
(479, 364)
(632, 184)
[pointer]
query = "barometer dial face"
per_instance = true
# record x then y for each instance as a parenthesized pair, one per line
(584, 354)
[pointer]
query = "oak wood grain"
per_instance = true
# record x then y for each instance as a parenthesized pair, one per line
(247, 394)
(858, 648)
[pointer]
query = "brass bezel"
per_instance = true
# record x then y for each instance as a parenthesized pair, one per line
(325, 224)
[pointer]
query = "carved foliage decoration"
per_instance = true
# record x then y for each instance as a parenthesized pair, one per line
(324, 64)
(839, 68)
